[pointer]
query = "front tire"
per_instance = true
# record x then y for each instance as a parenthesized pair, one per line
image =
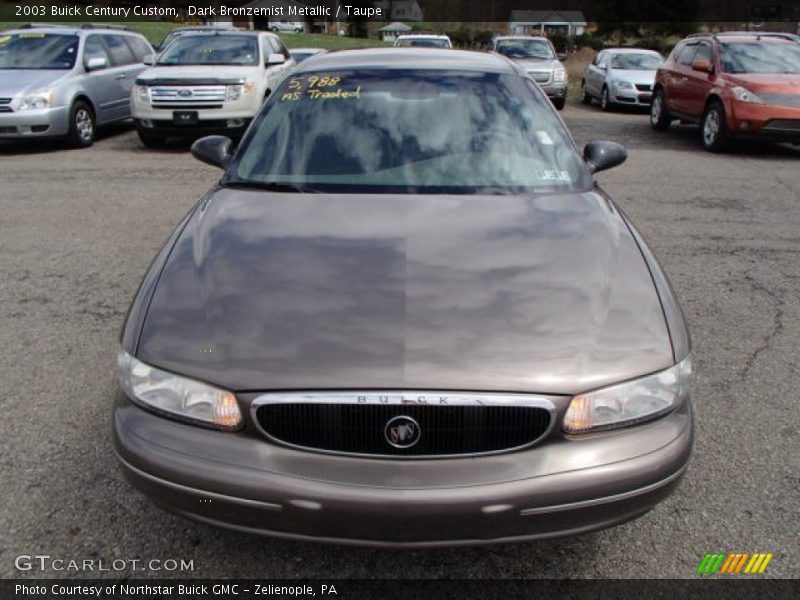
(605, 100)
(714, 128)
(150, 139)
(659, 117)
(81, 126)
(586, 98)
(559, 103)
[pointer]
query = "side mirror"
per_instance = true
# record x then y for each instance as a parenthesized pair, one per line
(275, 59)
(703, 66)
(149, 59)
(96, 63)
(600, 156)
(562, 56)
(214, 150)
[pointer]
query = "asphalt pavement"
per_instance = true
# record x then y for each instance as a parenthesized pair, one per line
(80, 227)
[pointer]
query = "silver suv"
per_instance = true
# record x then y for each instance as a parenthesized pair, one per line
(538, 57)
(65, 81)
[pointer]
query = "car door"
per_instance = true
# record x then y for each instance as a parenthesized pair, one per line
(678, 85)
(99, 83)
(595, 74)
(699, 83)
(125, 68)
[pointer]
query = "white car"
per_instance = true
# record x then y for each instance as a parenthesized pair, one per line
(423, 40)
(208, 83)
(291, 26)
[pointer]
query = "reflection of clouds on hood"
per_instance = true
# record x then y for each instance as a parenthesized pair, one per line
(544, 294)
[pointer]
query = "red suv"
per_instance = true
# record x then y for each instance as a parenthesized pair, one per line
(733, 84)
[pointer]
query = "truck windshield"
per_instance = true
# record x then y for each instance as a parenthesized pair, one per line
(35, 50)
(525, 48)
(404, 131)
(205, 49)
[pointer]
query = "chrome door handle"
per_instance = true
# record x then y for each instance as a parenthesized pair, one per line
(123, 76)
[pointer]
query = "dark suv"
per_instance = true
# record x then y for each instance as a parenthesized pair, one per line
(733, 84)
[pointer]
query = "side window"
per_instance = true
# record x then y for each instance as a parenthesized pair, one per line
(140, 48)
(93, 47)
(121, 54)
(686, 54)
(703, 53)
(598, 59)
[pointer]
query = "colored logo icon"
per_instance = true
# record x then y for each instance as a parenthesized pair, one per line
(734, 563)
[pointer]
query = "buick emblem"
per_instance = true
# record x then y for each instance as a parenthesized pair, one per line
(402, 432)
(185, 93)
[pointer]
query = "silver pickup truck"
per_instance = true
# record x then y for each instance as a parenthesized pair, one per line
(538, 57)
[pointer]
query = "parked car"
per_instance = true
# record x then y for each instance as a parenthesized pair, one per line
(208, 82)
(407, 316)
(301, 54)
(190, 29)
(61, 81)
(286, 26)
(423, 40)
(733, 85)
(539, 59)
(621, 76)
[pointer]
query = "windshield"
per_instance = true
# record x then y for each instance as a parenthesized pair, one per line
(760, 57)
(424, 42)
(211, 50)
(636, 62)
(525, 48)
(36, 50)
(398, 131)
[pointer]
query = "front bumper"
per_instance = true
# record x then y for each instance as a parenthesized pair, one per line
(554, 90)
(630, 97)
(780, 123)
(45, 122)
(561, 487)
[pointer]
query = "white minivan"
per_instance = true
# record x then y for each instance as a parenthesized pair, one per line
(205, 83)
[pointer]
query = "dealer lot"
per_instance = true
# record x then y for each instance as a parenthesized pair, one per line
(80, 227)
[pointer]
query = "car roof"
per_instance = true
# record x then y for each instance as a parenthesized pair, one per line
(411, 58)
(519, 37)
(423, 35)
(317, 50)
(87, 28)
(748, 36)
(630, 51)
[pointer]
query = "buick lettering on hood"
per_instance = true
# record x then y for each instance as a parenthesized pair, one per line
(406, 317)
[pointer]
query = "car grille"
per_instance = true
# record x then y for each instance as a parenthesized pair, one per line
(211, 96)
(363, 429)
(781, 99)
(8, 130)
(540, 76)
(644, 87)
(4, 105)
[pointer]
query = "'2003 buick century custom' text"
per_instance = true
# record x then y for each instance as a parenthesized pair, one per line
(405, 316)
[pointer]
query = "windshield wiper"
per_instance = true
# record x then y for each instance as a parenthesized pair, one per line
(270, 186)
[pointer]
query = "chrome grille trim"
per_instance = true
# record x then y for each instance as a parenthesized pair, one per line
(168, 95)
(406, 398)
(540, 76)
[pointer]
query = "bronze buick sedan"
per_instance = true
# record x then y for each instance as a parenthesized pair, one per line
(405, 316)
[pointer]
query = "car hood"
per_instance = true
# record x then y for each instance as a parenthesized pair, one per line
(530, 64)
(762, 82)
(24, 81)
(267, 291)
(632, 75)
(195, 73)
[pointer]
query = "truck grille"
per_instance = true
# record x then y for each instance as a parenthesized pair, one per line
(369, 429)
(211, 96)
(540, 76)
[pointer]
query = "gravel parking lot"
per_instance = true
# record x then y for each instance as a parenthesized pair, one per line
(79, 228)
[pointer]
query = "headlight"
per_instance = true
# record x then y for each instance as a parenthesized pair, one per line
(142, 92)
(624, 85)
(38, 100)
(177, 397)
(234, 92)
(559, 75)
(631, 402)
(745, 95)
